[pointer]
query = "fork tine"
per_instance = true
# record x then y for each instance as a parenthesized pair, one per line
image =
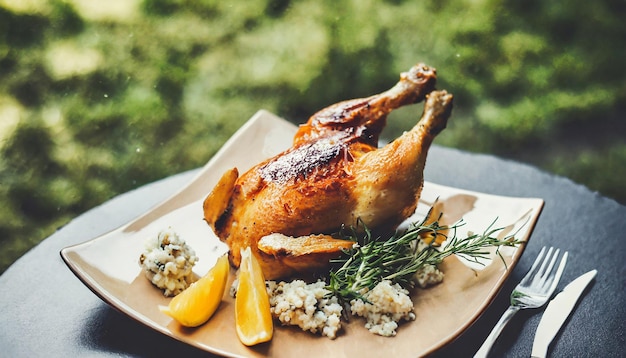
(532, 272)
(543, 278)
(557, 276)
(552, 262)
(543, 270)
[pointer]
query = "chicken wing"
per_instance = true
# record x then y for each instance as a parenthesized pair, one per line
(287, 207)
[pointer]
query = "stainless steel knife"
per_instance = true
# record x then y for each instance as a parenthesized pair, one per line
(557, 312)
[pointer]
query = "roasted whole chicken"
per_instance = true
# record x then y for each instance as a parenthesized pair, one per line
(286, 208)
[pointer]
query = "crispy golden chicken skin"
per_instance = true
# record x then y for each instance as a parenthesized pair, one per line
(286, 207)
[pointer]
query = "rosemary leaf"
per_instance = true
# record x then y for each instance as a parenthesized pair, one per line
(397, 258)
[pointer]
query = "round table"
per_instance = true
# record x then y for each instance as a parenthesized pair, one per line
(47, 311)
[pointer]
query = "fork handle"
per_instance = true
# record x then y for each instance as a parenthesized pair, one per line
(495, 332)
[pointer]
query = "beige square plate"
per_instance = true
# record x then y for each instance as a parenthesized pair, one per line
(108, 264)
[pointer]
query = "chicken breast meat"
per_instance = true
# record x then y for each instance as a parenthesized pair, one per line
(287, 207)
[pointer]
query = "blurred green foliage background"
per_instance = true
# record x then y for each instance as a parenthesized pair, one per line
(97, 98)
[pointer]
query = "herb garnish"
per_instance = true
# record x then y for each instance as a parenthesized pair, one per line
(397, 259)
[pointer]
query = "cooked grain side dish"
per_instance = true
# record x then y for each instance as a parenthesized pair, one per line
(167, 262)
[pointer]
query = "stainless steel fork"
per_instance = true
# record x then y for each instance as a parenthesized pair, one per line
(533, 291)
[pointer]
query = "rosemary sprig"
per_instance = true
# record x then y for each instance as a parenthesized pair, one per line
(375, 259)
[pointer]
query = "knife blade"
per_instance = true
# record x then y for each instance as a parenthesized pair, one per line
(557, 312)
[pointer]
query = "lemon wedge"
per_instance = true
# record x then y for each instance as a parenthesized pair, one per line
(252, 306)
(196, 304)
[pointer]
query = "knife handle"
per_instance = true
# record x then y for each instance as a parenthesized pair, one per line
(483, 351)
